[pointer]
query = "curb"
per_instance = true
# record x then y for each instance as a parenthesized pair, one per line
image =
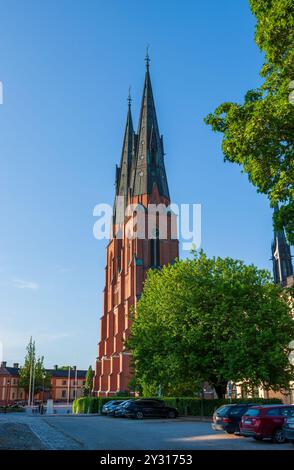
(90, 415)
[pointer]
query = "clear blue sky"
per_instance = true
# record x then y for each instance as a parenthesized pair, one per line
(66, 67)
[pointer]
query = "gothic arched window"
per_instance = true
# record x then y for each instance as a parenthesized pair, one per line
(155, 250)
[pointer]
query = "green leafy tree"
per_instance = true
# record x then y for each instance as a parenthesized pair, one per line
(258, 134)
(211, 320)
(34, 368)
(88, 382)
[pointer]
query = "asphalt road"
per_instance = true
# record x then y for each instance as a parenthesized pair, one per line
(105, 433)
(154, 434)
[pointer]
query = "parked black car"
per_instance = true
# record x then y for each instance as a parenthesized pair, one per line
(151, 408)
(110, 407)
(228, 417)
(119, 411)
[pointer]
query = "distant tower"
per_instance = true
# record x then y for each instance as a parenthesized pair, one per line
(281, 257)
(140, 180)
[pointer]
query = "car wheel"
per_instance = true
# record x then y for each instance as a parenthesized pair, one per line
(279, 436)
(229, 431)
(139, 415)
(171, 415)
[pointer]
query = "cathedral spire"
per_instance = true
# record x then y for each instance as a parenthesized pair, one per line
(127, 152)
(281, 257)
(149, 166)
(122, 177)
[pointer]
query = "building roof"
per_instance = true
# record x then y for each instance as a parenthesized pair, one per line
(81, 374)
(148, 164)
(14, 371)
(142, 162)
(281, 257)
(9, 371)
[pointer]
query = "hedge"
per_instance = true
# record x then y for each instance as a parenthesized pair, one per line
(185, 405)
(12, 409)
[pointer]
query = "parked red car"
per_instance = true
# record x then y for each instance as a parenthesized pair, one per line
(266, 421)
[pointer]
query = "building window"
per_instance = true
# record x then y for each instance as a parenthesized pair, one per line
(116, 296)
(111, 269)
(64, 382)
(63, 394)
(129, 252)
(155, 250)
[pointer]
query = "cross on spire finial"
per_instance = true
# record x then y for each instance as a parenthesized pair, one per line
(147, 58)
(129, 97)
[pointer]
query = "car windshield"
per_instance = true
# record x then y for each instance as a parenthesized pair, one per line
(237, 410)
(127, 403)
(223, 411)
(253, 412)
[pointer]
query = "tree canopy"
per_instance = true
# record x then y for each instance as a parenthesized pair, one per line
(212, 320)
(36, 365)
(258, 134)
(88, 382)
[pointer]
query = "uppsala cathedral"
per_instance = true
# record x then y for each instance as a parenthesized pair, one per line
(140, 180)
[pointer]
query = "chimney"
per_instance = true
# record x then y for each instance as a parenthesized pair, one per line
(56, 367)
(3, 364)
(16, 365)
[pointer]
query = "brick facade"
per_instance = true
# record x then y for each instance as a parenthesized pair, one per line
(61, 389)
(141, 180)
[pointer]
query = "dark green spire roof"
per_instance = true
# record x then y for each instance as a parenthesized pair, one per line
(122, 176)
(148, 165)
(126, 157)
(281, 257)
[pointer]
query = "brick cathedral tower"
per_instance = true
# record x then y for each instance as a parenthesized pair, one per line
(140, 181)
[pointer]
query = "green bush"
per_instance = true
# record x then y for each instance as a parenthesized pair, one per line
(91, 404)
(12, 409)
(186, 406)
(196, 407)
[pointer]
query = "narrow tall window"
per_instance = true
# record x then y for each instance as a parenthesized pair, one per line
(155, 250)
(112, 270)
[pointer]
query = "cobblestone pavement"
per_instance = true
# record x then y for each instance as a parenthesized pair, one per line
(105, 433)
(21, 431)
(18, 436)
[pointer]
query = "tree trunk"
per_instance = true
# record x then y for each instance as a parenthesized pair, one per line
(221, 389)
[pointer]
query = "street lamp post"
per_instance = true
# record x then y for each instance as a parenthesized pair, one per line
(7, 394)
(68, 385)
(33, 383)
(44, 377)
(76, 381)
(30, 382)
